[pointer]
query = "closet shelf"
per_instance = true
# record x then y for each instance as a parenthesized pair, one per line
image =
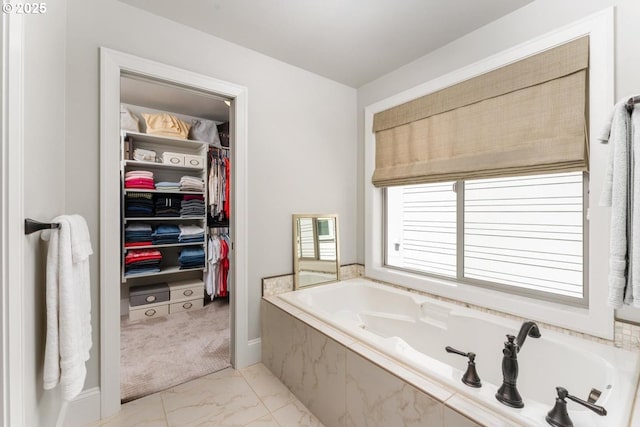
(165, 218)
(152, 165)
(168, 245)
(163, 271)
(144, 190)
(165, 140)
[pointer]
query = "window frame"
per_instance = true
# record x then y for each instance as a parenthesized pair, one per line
(460, 254)
(596, 318)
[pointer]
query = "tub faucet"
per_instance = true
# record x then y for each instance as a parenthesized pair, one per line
(508, 392)
(527, 329)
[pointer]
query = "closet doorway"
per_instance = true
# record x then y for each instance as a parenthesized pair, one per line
(173, 279)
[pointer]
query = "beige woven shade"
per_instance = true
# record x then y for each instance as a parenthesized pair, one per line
(528, 117)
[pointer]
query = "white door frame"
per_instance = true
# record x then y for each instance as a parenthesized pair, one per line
(12, 229)
(112, 64)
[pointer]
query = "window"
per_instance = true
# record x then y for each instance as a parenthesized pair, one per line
(521, 234)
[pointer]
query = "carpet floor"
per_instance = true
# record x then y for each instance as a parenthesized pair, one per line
(157, 354)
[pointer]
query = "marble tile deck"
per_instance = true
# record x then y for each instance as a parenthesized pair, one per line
(250, 397)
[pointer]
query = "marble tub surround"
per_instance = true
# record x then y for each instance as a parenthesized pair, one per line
(396, 396)
(251, 397)
(284, 283)
(375, 397)
(357, 307)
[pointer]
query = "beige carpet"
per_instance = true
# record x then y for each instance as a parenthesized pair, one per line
(157, 354)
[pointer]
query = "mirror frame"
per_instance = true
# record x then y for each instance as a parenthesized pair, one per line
(296, 261)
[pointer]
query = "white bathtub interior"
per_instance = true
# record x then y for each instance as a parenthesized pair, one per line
(414, 329)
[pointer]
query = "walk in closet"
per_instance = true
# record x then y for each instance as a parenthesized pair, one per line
(175, 235)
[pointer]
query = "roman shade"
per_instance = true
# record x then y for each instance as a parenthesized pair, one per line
(528, 117)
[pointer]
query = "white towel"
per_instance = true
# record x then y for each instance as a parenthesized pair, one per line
(68, 337)
(621, 191)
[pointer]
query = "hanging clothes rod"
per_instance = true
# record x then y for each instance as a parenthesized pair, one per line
(31, 226)
(632, 102)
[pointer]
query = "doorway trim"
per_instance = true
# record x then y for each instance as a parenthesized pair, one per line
(112, 65)
(11, 227)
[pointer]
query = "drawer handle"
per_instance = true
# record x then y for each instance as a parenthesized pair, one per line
(174, 160)
(151, 298)
(150, 312)
(194, 162)
(188, 293)
(187, 305)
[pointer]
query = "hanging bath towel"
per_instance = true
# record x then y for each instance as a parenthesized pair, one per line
(68, 300)
(621, 191)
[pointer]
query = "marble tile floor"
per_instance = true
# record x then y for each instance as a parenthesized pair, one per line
(250, 397)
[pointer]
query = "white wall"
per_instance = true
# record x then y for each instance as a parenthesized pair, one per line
(44, 192)
(302, 128)
(533, 20)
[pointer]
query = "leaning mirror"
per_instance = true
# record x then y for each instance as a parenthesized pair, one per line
(316, 257)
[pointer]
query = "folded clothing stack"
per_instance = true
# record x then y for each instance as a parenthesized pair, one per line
(192, 205)
(139, 179)
(168, 186)
(191, 183)
(139, 261)
(191, 258)
(191, 234)
(137, 235)
(138, 204)
(143, 155)
(168, 205)
(165, 234)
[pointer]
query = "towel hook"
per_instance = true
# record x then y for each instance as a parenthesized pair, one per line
(31, 226)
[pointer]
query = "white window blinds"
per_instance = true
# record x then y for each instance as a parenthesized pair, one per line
(526, 232)
(422, 228)
(521, 233)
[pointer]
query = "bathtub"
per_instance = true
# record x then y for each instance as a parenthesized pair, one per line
(414, 330)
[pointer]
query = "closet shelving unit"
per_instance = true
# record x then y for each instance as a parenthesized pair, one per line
(162, 172)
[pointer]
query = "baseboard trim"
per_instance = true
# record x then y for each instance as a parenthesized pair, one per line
(82, 410)
(254, 351)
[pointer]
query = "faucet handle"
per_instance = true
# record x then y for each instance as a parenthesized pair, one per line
(595, 408)
(450, 349)
(470, 377)
(559, 417)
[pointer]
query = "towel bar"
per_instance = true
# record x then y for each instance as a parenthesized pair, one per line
(31, 226)
(632, 102)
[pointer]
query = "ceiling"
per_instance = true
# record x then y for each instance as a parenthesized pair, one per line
(350, 41)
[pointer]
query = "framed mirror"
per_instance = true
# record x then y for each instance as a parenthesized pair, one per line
(316, 257)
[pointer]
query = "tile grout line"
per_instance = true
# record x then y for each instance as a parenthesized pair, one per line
(262, 401)
(164, 410)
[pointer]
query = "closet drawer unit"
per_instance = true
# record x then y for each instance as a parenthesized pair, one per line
(193, 161)
(175, 159)
(190, 305)
(186, 290)
(146, 312)
(148, 294)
